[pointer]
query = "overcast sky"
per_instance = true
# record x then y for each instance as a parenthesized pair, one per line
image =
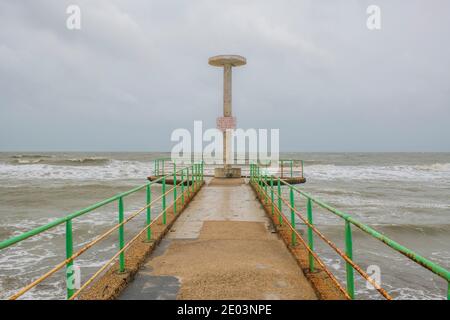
(138, 70)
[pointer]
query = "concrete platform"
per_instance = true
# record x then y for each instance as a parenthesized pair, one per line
(169, 181)
(227, 173)
(221, 247)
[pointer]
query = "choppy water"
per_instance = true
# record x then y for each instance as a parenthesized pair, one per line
(404, 195)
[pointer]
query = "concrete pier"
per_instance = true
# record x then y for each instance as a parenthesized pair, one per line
(222, 246)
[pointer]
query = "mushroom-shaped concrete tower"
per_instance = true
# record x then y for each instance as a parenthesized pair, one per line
(227, 121)
(227, 62)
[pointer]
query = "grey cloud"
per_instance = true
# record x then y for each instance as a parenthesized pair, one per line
(138, 69)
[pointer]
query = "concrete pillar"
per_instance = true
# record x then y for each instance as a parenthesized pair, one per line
(227, 62)
(227, 90)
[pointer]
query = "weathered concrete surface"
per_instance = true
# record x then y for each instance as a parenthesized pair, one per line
(111, 283)
(221, 200)
(221, 247)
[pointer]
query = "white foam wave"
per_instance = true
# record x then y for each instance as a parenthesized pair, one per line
(437, 171)
(112, 170)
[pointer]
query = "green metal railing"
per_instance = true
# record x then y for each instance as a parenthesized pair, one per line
(161, 165)
(266, 186)
(293, 166)
(191, 179)
(288, 168)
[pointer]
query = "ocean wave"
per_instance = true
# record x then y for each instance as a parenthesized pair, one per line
(110, 170)
(439, 167)
(27, 161)
(93, 161)
(422, 228)
(21, 156)
(436, 171)
(82, 168)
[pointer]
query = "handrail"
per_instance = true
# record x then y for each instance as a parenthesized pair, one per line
(87, 246)
(126, 246)
(13, 240)
(331, 244)
(258, 179)
(195, 176)
(314, 255)
(431, 266)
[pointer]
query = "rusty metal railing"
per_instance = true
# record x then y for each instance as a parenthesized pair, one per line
(270, 187)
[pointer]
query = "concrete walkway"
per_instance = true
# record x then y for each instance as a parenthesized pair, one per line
(221, 247)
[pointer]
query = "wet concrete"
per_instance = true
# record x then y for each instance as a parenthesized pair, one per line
(221, 247)
(220, 200)
(148, 287)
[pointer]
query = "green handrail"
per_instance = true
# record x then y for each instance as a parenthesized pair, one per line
(435, 268)
(67, 220)
(13, 240)
(294, 166)
(349, 220)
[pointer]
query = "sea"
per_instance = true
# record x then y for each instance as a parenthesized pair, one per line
(405, 196)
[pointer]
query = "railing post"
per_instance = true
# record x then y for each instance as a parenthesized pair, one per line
(164, 199)
(149, 212)
(192, 177)
(282, 164)
(349, 253)
(266, 198)
(198, 175)
(291, 196)
(260, 182)
(174, 188)
(280, 219)
(195, 175)
(271, 193)
(163, 167)
(121, 237)
(310, 234)
(260, 177)
(188, 180)
(291, 167)
(182, 188)
(69, 265)
(202, 167)
(302, 168)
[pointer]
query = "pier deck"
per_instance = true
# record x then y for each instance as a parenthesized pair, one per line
(221, 247)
